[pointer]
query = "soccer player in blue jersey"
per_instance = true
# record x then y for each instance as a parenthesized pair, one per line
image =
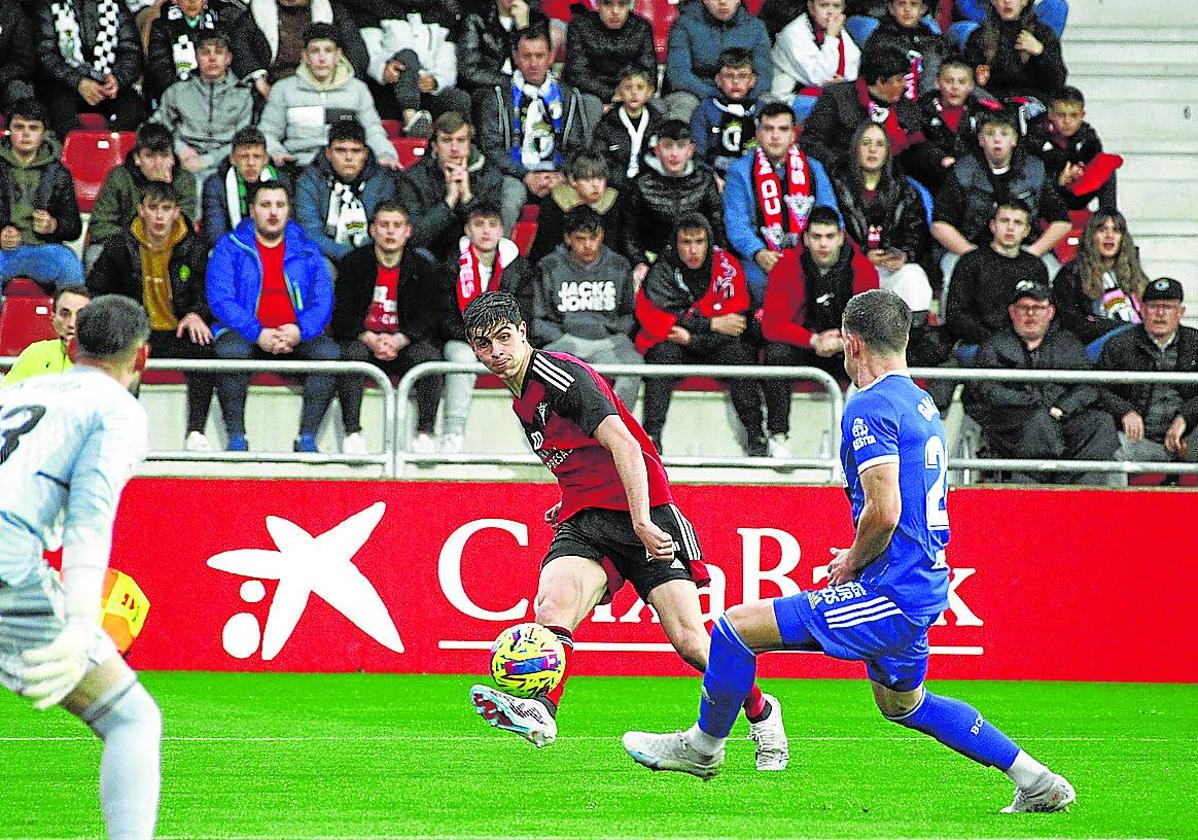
(68, 444)
(884, 590)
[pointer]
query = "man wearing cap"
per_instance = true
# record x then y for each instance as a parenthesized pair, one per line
(323, 91)
(1157, 422)
(1039, 419)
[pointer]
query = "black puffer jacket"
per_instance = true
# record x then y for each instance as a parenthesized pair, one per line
(595, 55)
(484, 48)
(421, 189)
(51, 63)
(920, 39)
(16, 45)
(252, 51)
(1135, 350)
(829, 129)
(657, 200)
(416, 295)
(493, 111)
(170, 28)
(55, 192)
(922, 161)
(119, 271)
(1077, 312)
(897, 210)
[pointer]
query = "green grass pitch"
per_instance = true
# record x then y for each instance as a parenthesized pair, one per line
(380, 756)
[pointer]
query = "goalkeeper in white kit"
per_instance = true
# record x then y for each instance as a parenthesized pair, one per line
(68, 444)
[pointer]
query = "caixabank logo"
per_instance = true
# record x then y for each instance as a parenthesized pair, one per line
(305, 565)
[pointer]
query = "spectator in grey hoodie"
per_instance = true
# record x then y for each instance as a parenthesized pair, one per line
(585, 301)
(323, 91)
(205, 110)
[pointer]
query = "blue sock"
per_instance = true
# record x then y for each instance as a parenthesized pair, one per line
(961, 727)
(731, 668)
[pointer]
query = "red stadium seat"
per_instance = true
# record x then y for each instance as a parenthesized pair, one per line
(661, 14)
(24, 316)
(90, 156)
(393, 128)
(523, 235)
(89, 121)
(409, 149)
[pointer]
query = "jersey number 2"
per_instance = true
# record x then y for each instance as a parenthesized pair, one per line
(935, 459)
(12, 426)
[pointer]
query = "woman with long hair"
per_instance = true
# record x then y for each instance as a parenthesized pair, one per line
(1099, 291)
(1015, 54)
(884, 215)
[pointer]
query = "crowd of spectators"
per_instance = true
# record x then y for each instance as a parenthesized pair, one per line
(718, 210)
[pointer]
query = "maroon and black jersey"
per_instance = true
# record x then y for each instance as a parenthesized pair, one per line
(561, 404)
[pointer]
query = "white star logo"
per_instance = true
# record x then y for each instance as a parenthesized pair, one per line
(306, 565)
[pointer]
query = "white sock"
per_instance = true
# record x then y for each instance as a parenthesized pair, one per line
(130, 725)
(1025, 771)
(702, 742)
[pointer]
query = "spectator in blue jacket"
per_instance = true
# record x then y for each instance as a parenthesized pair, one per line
(702, 31)
(335, 197)
(769, 196)
(271, 297)
(226, 192)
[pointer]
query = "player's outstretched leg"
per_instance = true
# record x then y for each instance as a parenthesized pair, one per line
(677, 604)
(731, 667)
(961, 727)
(530, 719)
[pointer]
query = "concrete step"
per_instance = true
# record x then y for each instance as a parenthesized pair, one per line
(1155, 48)
(1133, 119)
(1143, 87)
(1132, 13)
(1164, 200)
(1161, 169)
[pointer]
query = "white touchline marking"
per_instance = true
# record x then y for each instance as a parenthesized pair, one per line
(665, 647)
(437, 739)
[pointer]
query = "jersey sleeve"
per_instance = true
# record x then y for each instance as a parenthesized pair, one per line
(871, 425)
(584, 404)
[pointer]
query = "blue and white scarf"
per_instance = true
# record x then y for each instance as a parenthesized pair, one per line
(536, 148)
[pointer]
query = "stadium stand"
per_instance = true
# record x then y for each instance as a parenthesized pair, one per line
(25, 316)
(90, 155)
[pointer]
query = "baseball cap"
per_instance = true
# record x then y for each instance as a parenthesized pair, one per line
(1030, 289)
(1163, 288)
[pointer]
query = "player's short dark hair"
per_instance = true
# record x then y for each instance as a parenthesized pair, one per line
(734, 58)
(248, 136)
(1069, 95)
(1012, 203)
(880, 319)
(72, 289)
(998, 116)
(29, 109)
(484, 209)
(489, 311)
(636, 71)
(693, 220)
(152, 137)
(882, 63)
(675, 130)
(823, 215)
(582, 218)
(391, 206)
(587, 164)
(538, 28)
(112, 326)
(253, 189)
(157, 192)
(775, 109)
(347, 130)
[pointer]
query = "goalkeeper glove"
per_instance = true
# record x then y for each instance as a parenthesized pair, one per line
(53, 671)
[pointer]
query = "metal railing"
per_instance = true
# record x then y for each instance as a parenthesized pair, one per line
(831, 462)
(1054, 465)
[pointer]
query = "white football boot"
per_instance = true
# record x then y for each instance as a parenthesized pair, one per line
(1051, 792)
(773, 750)
(671, 751)
(527, 718)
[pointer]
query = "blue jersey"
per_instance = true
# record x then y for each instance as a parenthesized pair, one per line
(893, 420)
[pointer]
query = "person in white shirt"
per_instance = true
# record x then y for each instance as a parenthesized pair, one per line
(68, 444)
(811, 51)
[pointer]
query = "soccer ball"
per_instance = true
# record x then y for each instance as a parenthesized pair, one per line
(527, 660)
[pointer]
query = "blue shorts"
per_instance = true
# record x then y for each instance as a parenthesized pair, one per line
(851, 621)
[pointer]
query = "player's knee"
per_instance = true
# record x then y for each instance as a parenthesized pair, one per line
(134, 710)
(693, 647)
(897, 707)
(739, 618)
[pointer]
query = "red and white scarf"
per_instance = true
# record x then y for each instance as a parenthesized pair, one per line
(470, 280)
(727, 294)
(885, 116)
(777, 231)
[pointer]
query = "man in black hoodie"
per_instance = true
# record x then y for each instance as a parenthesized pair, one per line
(384, 312)
(694, 309)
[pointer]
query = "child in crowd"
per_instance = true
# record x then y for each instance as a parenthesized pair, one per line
(949, 123)
(724, 126)
(627, 133)
(1072, 152)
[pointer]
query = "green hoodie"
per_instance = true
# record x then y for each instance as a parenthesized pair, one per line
(25, 180)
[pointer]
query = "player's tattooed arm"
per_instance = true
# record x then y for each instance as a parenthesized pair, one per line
(879, 517)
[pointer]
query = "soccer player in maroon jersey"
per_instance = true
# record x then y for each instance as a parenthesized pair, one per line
(616, 521)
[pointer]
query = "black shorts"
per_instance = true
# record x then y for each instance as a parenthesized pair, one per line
(606, 536)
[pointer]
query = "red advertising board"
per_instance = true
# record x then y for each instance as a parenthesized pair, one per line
(255, 575)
